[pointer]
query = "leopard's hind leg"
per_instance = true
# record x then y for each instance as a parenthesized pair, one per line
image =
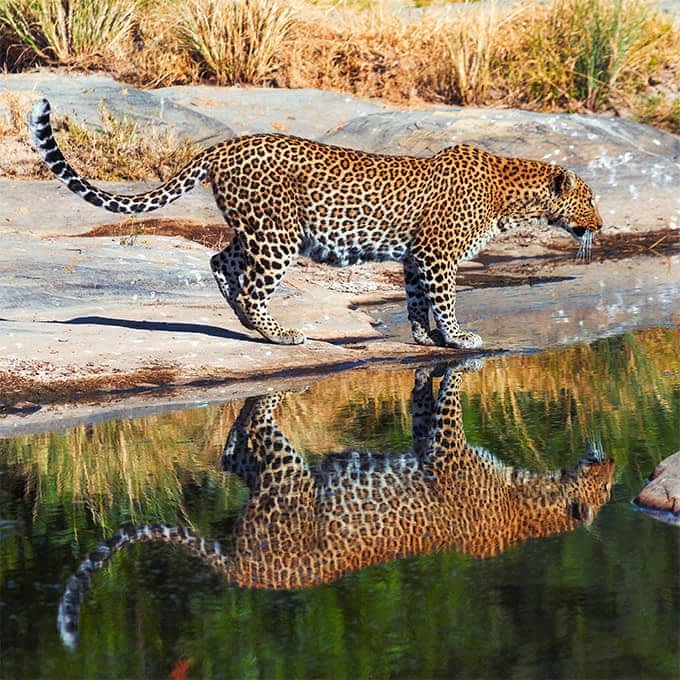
(227, 268)
(270, 241)
(267, 262)
(249, 270)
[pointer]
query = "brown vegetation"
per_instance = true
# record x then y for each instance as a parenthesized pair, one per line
(117, 150)
(599, 55)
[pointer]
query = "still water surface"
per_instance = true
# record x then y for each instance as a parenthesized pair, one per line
(481, 562)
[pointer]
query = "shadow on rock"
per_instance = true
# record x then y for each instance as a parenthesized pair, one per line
(167, 326)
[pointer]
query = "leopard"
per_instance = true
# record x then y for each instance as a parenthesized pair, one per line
(284, 196)
(306, 524)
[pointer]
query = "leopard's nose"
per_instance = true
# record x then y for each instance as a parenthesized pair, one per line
(598, 223)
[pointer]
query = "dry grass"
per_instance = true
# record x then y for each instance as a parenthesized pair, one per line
(660, 110)
(234, 42)
(465, 48)
(565, 54)
(554, 55)
(157, 59)
(121, 150)
(70, 32)
(117, 150)
(372, 53)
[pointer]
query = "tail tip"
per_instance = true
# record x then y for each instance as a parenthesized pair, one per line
(40, 112)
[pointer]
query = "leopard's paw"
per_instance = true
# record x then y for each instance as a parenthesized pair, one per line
(288, 336)
(422, 337)
(461, 340)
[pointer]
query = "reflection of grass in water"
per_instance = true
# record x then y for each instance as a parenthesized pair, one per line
(623, 390)
(125, 470)
(620, 389)
(526, 409)
(359, 410)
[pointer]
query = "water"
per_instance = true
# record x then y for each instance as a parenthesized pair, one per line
(596, 596)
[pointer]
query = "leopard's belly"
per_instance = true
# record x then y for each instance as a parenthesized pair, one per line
(343, 250)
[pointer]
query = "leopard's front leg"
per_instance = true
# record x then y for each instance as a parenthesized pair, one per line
(438, 277)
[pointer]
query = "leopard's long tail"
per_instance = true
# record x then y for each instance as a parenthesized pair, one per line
(185, 180)
(80, 582)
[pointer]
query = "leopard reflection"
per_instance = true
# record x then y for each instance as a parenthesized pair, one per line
(309, 524)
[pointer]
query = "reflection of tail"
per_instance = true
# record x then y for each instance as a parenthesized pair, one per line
(41, 132)
(80, 582)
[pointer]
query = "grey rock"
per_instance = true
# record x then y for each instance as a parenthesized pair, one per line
(661, 497)
(81, 97)
(304, 112)
(43, 275)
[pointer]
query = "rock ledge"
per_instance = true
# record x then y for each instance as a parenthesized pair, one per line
(662, 495)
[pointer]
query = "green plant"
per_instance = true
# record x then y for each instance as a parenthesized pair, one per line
(69, 31)
(234, 41)
(612, 33)
(130, 240)
(583, 52)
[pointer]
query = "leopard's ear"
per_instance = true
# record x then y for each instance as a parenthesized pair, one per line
(563, 182)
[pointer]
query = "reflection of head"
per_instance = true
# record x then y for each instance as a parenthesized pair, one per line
(308, 524)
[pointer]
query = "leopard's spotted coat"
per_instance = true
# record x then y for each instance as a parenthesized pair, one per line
(285, 196)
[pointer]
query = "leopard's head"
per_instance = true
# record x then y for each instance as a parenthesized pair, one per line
(571, 205)
(589, 484)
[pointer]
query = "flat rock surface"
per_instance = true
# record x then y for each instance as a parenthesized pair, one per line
(81, 97)
(662, 494)
(76, 308)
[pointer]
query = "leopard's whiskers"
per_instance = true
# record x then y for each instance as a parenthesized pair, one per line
(585, 249)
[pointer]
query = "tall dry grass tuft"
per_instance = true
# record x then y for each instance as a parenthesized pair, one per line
(464, 45)
(158, 58)
(372, 53)
(70, 32)
(234, 41)
(582, 53)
